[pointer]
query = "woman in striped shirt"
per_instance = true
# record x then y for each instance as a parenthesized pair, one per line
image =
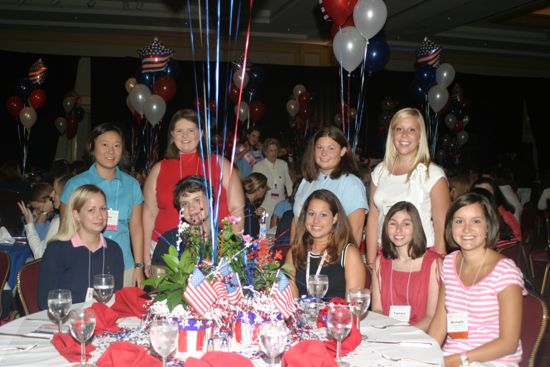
(478, 316)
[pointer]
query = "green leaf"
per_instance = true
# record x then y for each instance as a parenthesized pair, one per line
(171, 261)
(173, 300)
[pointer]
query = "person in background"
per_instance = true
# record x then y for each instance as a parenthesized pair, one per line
(459, 184)
(11, 179)
(249, 152)
(405, 280)
(41, 207)
(79, 251)
(37, 243)
(324, 244)
(481, 291)
(407, 174)
(283, 216)
(124, 198)
(255, 188)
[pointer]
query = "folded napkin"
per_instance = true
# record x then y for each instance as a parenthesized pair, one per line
(308, 353)
(349, 344)
(5, 236)
(69, 347)
(130, 301)
(125, 354)
(219, 359)
(105, 319)
(322, 316)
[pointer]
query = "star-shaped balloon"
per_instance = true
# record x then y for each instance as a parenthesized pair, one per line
(428, 52)
(37, 72)
(238, 63)
(154, 57)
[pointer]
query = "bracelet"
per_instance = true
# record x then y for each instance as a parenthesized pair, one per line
(464, 359)
(139, 265)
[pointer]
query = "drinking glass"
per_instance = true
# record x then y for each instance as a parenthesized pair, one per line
(317, 287)
(339, 321)
(273, 336)
(104, 286)
(308, 307)
(157, 271)
(164, 336)
(59, 304)
(82, 325)
(359, 301)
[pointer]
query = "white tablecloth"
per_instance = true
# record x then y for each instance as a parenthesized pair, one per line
(366, 355)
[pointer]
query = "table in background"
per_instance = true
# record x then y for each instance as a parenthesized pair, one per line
(19, 252)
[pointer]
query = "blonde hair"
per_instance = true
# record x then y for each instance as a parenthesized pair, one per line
(69, 226)
(423, 151)
(253, 182)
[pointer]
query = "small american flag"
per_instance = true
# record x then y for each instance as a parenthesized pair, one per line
(428, 52)
(231, 282)
(155, 57)
(283, 296)
(199, 292)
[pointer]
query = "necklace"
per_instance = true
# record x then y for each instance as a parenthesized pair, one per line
(478, 270)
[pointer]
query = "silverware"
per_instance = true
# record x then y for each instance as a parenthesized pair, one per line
(399, 359)
(27, 336)
(404, 342)
(389, 325)
(21, 349)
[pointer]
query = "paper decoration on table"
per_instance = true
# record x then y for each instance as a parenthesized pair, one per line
(125, 354)
(105, 320)
(130, 301)
(154, 57)
(428, 52)
(308, 353)
(37, 72)
(69, 348)
(219, 359)
(193, 335)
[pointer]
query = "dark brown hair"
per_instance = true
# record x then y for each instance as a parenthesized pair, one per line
(341, 235)
(417, 246)
(491, 217)
(40, 192)
(347, 165)
(190, 115)
(102, 129)
(188, 185)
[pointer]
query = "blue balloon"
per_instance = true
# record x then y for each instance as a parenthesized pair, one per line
(145, 78)
(378, 54)
(425, 74)
(23, 88)
(173, 69)
(418, 91)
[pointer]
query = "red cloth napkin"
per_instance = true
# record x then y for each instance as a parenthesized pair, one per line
(69, 347)
(130, 301)
(125, 354)
(219, 359)
(349, 344)
(322, 315)
(308, 353)
(105, 319)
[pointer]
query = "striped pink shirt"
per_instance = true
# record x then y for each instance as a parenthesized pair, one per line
(480, 302)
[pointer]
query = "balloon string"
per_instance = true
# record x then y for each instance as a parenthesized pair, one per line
(342, 99)
(360, 101)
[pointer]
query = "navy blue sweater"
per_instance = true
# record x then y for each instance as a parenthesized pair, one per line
(66, 267)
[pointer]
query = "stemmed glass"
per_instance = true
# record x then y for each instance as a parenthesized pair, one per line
(273, 336)
(59, 304)
(104, 286)
(359, 301)
(317, 287)
(339, 321)
(164, 336)
(82, 325)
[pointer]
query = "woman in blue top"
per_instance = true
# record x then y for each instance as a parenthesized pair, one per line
(124, 198)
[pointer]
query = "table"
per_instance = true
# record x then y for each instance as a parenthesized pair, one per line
(19, 252)
(366, 355)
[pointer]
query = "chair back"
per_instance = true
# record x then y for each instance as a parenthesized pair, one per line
(533, 327)
(10, 214)
(516, 252)
(27, 286)
(4, 271)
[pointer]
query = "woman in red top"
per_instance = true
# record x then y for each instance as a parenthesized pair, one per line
(405, 281)
(185, 156)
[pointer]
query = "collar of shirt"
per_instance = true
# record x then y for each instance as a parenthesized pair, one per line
(97, 178)
(76, 241)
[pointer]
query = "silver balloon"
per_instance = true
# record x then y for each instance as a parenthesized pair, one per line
(138, 96)
(61, 124)
(68, 104)
(349, 47)
(445, 74)
(462, 137)
(438, 97)
(242, 112)
(154, 109)
(369, 16)
(450, 120)
(297, 90)
(238, 75)
(352, 113)
(27, 116)
(292, 107)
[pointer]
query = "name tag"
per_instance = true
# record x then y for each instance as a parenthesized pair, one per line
(89, 294)
(250, 158)
(401, 313)
(112, 220)
(457, 325)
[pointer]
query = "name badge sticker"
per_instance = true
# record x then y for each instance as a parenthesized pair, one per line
(457, 325)
(112, 220)
(401, 313)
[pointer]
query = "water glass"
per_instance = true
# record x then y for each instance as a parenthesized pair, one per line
(59, 304)
(82, 325)
(359, 301)
(104, 287)
(317, 287)
(273, 338)
(157, 271)
(308, 307)
(164, 336)
(339, 322)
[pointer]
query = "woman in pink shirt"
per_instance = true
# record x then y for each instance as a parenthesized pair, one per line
(478, 316)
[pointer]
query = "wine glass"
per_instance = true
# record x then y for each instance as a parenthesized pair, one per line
(359, 301)
(339, 321)
(317, 287)
(164, 336)
(157, 271)
(104, 286)
(273, 336)
(59, 304)
(82, 325)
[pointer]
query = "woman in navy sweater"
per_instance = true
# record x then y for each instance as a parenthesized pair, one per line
(79, 251)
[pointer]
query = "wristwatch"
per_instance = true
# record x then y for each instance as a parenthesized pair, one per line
(140, 265)
(464, 359)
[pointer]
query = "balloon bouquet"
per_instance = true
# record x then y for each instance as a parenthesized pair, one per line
(74, 113)
(148, 93)
(28, 98)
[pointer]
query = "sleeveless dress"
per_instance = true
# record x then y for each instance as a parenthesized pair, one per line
(173, 170)
(418, 286)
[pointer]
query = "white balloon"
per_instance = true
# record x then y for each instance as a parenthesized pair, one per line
(292, 107)
(242, 112)
(138, 96)
(438, 97)
(462, 137)
(61, 124)
(297, 90)
(369, 16)
(27, 116)
(238, 75)
(445, 74)
(349, 47)
(450, 120)
(154, 109)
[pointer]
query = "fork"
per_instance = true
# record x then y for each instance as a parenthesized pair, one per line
(399, 359)
(381, 327)
(20, 349)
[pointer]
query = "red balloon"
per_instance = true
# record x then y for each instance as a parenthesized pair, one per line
(335, 28)
(304, 98)
(305, 112)
(14, 105)
(234, 94)
(72, 126)
(165, 86)
(212, 107)
(338, 10)
(256, 110)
